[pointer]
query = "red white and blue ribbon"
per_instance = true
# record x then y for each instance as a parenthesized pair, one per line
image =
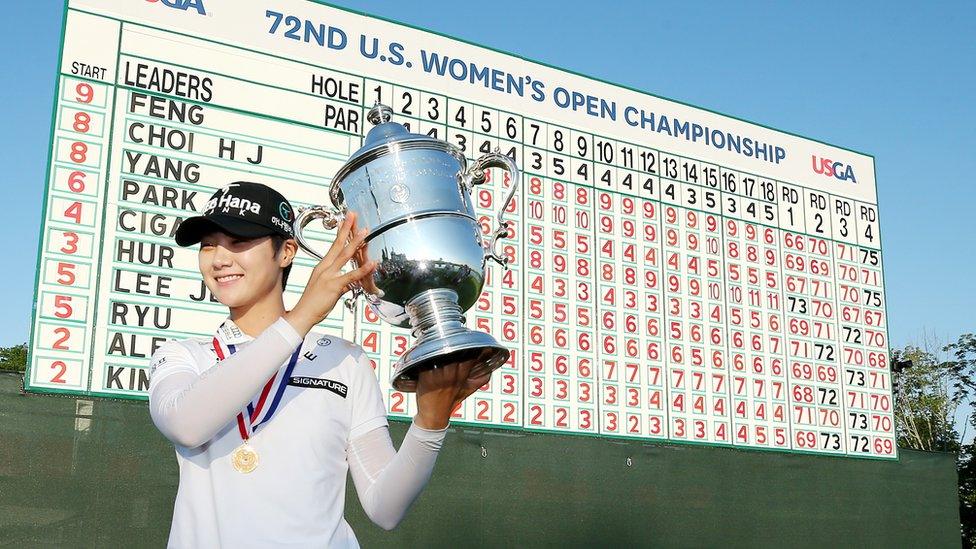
(260, 411)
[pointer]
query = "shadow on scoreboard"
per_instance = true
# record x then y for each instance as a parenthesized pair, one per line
(80, 472)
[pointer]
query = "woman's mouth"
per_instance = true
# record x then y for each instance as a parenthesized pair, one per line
(228, 279)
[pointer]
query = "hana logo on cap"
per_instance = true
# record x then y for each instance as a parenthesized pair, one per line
(284, 210)
(226, 201)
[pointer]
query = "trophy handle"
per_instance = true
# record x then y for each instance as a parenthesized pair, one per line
(330, 220)
(476, 176)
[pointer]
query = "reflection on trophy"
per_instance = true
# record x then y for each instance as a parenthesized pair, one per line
(413, 194)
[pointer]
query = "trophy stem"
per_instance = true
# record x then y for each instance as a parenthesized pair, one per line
(434, 314)
(438, 324)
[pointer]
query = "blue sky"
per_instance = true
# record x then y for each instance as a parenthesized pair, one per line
(893, 79)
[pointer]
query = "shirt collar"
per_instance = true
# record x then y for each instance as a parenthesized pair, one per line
(231, 334)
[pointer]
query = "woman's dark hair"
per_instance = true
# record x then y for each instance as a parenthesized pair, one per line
(277, 241)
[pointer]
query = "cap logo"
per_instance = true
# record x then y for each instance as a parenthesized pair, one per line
(227, 202)
(283, 225)
(285, 211)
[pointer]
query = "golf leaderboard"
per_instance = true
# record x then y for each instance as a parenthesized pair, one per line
(675, 274)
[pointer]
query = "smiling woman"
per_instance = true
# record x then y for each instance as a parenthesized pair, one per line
(215, 398)
(239, 271)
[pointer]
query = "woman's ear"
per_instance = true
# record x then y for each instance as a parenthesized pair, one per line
(288, 251)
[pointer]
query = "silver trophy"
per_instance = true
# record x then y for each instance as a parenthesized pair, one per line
(413, 194)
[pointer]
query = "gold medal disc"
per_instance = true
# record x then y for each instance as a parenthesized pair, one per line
(244, 459)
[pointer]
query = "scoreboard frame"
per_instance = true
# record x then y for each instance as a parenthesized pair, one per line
(53, 150)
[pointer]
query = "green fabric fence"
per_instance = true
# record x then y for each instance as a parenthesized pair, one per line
(81, 472)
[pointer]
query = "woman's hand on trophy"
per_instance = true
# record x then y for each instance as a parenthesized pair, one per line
(367, 284)
(440, 390)
(327, 283)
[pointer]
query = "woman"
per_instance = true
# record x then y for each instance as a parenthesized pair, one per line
(266, 415)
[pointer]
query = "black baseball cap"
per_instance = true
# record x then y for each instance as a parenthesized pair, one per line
(242, 208)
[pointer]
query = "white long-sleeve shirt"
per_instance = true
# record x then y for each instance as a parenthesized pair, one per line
(329, 418)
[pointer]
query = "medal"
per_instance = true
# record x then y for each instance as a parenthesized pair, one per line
(244, 458)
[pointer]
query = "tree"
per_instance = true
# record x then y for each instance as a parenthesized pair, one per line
(13, 358)
(925, 401)
(928, 393)
(963, 364)
(963, 367)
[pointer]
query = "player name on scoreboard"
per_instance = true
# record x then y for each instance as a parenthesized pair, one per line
(660, 289)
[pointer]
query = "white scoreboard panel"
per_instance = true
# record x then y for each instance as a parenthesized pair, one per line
(676, 274)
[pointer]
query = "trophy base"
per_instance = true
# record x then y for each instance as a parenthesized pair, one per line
(444, 339)
(456, 348)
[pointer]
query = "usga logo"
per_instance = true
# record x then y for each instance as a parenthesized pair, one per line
(183, 5)
(829, 168)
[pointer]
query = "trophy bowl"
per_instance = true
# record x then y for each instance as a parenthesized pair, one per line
(413, 193)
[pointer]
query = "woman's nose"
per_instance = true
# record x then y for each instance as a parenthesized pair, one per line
(222, 257)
